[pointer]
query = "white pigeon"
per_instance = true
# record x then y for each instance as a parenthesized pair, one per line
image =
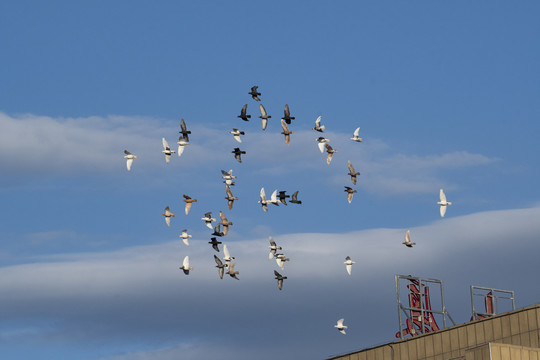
(348, 262)
(167, 150)
(228, 258)
(321, 141)
(263, 201)
(168, 214)
(236, 134)
(443, 202)
(407, 241)
(318, 126)
(185, 266)
(355, 135)
(273, 198)
(185, 236)
(228, 177)
(281, 259)
(208, 220)
(264, 116)
(273, 248)
(182, 142)
(129, 156)
(340, 326)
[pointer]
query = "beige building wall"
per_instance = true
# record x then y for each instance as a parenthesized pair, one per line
(520, 327)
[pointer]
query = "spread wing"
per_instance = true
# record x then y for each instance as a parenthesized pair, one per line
(186, 262)
(286, 111)
(128, 164)
(443, 211)
(356, 132)
(263, 195)
(442, 196)
(263, 110)
(318, 122)
(165, 144)
(351, 168)
(284, 126)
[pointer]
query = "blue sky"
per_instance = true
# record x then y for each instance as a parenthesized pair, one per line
(446, 96)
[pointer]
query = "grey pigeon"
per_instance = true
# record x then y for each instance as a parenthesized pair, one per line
(294, 198)
(238, 154)
(214, 242)
(254, 94)
(183, 130)
(287, 115)
(243, 114)
(279, 279)
(220, 266)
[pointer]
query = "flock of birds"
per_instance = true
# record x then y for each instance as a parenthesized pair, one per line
(225, 265)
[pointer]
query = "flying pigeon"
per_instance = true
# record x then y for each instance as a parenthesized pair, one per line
(350, 193)
(279, 279)
(238, 154)
(340, 326)
(287, 115)
(129, 156)
(352, 172)
(230, 197)
(189, 201)
(220, 266)
(283, 197)
(185, 266)
(182, 142)
(226, 223)
(330, 152)
(321, 142)
(236, 134)
(273, 248)
(355, 136)
(407, 241)
(228, 258)
(168, 214)
(263, 201)
(443, 202)
(167, 150)
(208, 220)
(264, 116)
(286, 132)
(294, 198)
(185, 236)
(183, 130)
(231, 272)
(228, 176)
(348, 262)
(254, 94)
(217, 231)
(243, 114)
(274, 199)
(318, 127)
(281, 259)
(214, 242)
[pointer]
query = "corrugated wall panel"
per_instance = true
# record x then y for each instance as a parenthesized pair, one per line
(479, 331)
(437, 343)
(428, 345)
(446, 342)
(505, 353)
(505, 326)
(471, 336)
(454, 341)
(421, 347)
(495, 352)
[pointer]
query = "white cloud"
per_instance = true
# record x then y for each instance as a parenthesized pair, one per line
(37, 145)
(139, 292)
